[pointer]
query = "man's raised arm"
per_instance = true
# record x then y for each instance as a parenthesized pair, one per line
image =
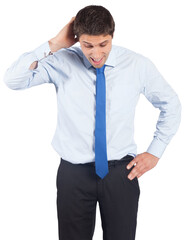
(35, 67)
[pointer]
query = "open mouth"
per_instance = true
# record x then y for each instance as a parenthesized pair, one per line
(97, 61)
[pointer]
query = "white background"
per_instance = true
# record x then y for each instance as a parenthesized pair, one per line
(28, 163)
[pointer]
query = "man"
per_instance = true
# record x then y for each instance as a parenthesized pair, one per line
(98, 85)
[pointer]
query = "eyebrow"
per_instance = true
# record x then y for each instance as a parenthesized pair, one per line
(99, 43)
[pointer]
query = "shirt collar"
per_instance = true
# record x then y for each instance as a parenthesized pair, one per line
(111, 61)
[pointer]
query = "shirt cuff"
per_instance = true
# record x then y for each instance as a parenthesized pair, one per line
(157, 148)
(43, 51)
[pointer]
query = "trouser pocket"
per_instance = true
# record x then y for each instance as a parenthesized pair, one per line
(134, 183)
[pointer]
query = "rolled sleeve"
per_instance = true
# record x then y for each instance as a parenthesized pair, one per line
(42, 51)
(19, 76)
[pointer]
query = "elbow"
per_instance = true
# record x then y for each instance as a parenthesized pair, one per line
(10, 84)
(178, 105)
(177, 111)
(13, 82)
(179, 108)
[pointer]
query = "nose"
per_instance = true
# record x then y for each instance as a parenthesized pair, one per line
(96, 53)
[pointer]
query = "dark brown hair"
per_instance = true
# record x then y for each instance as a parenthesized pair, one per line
(93, 20)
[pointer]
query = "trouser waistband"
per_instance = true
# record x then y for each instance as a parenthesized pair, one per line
(126, 158)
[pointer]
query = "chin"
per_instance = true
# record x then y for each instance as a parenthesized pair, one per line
(99, 66)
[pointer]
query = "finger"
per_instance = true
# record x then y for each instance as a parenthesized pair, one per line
(72, 19)
(136, 171)
(132, 163)
(133, 174)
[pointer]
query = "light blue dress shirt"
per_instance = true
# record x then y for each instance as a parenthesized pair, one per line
(128, 74)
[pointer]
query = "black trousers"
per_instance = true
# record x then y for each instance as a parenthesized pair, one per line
(79, 189)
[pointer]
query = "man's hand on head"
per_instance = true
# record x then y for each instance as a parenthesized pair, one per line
(65, 38)
(142, 163)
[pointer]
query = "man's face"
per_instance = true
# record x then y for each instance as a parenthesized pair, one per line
(96, 48)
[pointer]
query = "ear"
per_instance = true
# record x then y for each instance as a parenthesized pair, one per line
(76, 38)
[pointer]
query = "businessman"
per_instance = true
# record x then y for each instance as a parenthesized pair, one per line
(98, 86)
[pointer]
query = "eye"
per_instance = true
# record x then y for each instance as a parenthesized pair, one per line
(88, 46)
(103, 45)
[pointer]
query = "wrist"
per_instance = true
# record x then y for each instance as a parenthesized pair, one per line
(54, 45)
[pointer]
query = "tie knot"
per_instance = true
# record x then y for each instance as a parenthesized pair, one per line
(100, 70)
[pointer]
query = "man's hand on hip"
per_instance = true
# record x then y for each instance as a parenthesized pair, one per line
(143, 162)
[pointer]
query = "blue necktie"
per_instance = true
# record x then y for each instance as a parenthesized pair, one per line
(101, 163)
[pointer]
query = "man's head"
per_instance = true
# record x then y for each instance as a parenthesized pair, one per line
(94, 27)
